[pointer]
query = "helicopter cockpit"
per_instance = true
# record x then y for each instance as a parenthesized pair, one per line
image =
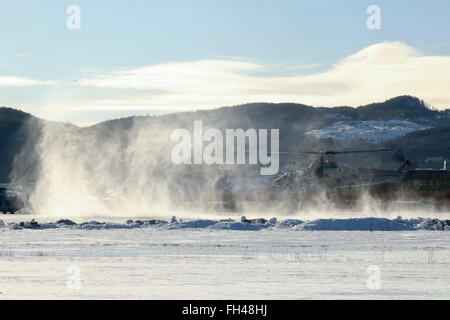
(328, 164)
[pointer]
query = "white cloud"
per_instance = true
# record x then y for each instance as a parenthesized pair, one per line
(6, 81)
(375, 73)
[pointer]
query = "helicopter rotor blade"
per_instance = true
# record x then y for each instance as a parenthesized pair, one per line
(329, 152)
(358, 151)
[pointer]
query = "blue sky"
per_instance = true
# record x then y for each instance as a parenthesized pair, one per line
(145, 57)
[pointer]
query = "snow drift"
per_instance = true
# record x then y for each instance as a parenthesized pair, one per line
(352, 224)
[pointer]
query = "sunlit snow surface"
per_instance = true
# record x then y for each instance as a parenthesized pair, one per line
(373, 131)
(210, 259)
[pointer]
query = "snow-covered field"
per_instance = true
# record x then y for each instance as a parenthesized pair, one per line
(208, 259)
(373, 131)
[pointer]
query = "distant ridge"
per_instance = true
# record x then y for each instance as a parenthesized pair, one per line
(18, 128)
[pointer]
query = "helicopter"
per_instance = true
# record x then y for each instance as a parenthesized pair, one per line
(327, 172)
(341, 184)
(323, 179)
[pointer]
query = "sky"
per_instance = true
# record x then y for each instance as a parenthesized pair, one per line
(153, 57)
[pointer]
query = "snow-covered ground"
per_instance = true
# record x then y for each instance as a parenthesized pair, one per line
(372, 131)
(211, 259)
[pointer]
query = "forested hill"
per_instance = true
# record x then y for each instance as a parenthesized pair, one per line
(404, 121)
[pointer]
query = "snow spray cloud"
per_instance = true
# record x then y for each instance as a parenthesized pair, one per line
(213, 152)
(125, 168)
(101, 170)
(121, 168)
